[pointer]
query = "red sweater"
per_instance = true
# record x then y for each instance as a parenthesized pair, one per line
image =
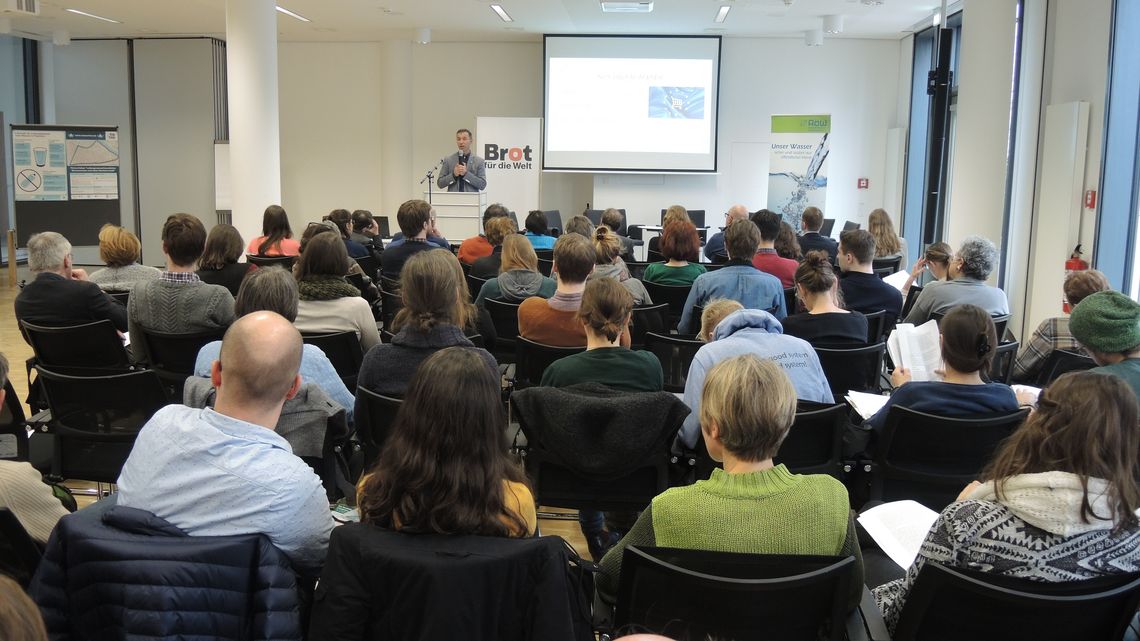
(768, 261)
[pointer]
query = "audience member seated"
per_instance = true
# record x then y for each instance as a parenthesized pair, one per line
(178, 302)
(580, 225)
(496, 229)
(342, 218)
(605, 314)
(60, 295)
(414, 218)
(752, 505)
(476, 247)
(888, 244)
(615, 220)
(811, 239)
(437, 309)
(678, 240)
(715, 311)
(825, 322)
(738, 280)
(767, 259)
(275, 290)
(354, 273)
(276, 237)
(968, 344)
(863, 291)
(555, 321)
(433, 236)
(538, 230)
(23, 491)
(225, 471)
(120, 250)
(518, 278)
(1051, 508)
(788, 243)
(969, 269)
(610, 265)
(1107, 324)
(1053, 333)
(366, 232)
(936, 260)
(328, 302)
(715, 245)
(675, 213)
(756, 332)
(219, 263)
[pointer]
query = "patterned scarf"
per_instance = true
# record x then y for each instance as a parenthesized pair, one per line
(325, 288)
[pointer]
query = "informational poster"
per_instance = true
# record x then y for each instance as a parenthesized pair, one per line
(511, 148)
(61, 165)
(797, 169)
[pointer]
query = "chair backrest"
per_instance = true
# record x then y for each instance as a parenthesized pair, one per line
(698, 594)
(852, 368)
(907, 466)
(1001, 369)
(911, 296)
(384, 225)
(790, 301)
(654, 256)
(475, 285)
(876, 325)
(269, 261)
(886, 266)
(850, 225)
(1061, 361)
(343, 351)
(95, 419)
(89, 346)
(390, 304)
(828, 225)
(374, 421)
(1000, 322)
(547, 254)
(695, 215)
(636, 268)
(553, 222)
(370, 265)
(533, 358)
(814, 444)
(946, 603)
(676, 353)
(505, 318)
(673, 295)
(595, 216)
(120, 297)
(719, 259)
(645, 319)
(172, 356)
(19, 553)
(389, 284)
(546, 265)
(13, 427)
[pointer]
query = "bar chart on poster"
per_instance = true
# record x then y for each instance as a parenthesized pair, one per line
(66, 179)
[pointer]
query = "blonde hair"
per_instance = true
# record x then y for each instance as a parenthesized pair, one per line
(606, 306)
(499, 228)
(435, 292)
(118, 247)
(753, 403)
(20, 619)
(675, 213)
(715, 311)
(883, 231)
(518, 253)
(606, 245)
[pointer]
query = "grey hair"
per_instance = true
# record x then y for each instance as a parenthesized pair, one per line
(580, 225)
(271, 289)
(46, 251)
(979, 257)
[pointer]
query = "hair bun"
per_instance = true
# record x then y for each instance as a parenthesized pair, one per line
(600, 232)
(984, 346)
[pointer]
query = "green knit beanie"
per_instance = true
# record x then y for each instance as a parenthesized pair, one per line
(1106, 322)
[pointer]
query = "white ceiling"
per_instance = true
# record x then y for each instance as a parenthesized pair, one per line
(473, 20)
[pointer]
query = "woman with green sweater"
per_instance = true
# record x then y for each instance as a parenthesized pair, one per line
(679, 242)
(751, 506)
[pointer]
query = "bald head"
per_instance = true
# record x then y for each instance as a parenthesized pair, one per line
(261, 353)
(735, 213)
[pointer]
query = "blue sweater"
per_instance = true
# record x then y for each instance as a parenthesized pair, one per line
(947, 399)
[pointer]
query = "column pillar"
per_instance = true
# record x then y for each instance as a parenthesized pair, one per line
(396, 128)
(255, 142)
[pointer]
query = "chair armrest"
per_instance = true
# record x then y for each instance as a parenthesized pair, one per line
(865, 623)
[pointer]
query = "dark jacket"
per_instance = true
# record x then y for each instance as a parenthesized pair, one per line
(814, 241)
(598, 432)
(160, 583)
(55, 301)
(388, 368)
(378, 584)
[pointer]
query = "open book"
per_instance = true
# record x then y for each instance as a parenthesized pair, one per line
(917, 349)
(899, 528)
(866, 405)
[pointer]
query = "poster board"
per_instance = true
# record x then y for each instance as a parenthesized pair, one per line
(66, 179)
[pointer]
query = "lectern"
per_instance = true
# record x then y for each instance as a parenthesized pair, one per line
(458, 214)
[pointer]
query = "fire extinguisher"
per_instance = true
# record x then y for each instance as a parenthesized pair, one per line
(1074, 264)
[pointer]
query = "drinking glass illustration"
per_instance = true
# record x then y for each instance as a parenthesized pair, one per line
(41, 156)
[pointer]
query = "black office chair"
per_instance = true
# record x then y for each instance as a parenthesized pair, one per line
(20, 555)
(907, 467)
(695, 215)
(636, 268)
(1000, 322)
(546, 266)
(1061, 362)
(475, 285)
(790, 300)
(533, 358)
(884, 267)
(911, 296)
(852, 368)
(850, 226)
(698, 594)
(94, 346)
(673, 295)
(370, 265)
(343, 351)
(876, 325)
(676, 353)
(553, 222)
(271, 261)
(120, 297)
(645, 319)
(505, 318)
(384, 225)
(374, 421)
(172, 356)
(1001, 369)
(828, 225)
(814, 444)
(95, 419)
(390, 304)
(947, 604)
(546, 254)
(389, 284)
(13, 427)
(718, 259)
(654, 256)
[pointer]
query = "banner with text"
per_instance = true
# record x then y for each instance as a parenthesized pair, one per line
(797, 165)
(510, 147)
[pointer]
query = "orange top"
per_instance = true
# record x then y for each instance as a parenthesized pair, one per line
(287, 247)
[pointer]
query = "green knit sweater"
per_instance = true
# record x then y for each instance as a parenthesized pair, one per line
(768, 512)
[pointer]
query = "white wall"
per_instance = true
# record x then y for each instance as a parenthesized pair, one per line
(12, 106)
(856, 81)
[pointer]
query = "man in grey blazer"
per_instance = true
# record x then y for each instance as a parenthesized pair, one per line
(462, 170)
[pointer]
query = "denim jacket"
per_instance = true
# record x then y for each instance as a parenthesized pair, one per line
(737, 280)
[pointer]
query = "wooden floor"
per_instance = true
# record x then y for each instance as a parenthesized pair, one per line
(18, 351)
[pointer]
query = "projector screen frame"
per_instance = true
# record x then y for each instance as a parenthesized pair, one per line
(715, 134)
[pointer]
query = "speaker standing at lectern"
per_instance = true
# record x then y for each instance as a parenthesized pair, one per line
(463, 170)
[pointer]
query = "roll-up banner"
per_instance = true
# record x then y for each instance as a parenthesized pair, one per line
(511, 148)
(797, 169)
